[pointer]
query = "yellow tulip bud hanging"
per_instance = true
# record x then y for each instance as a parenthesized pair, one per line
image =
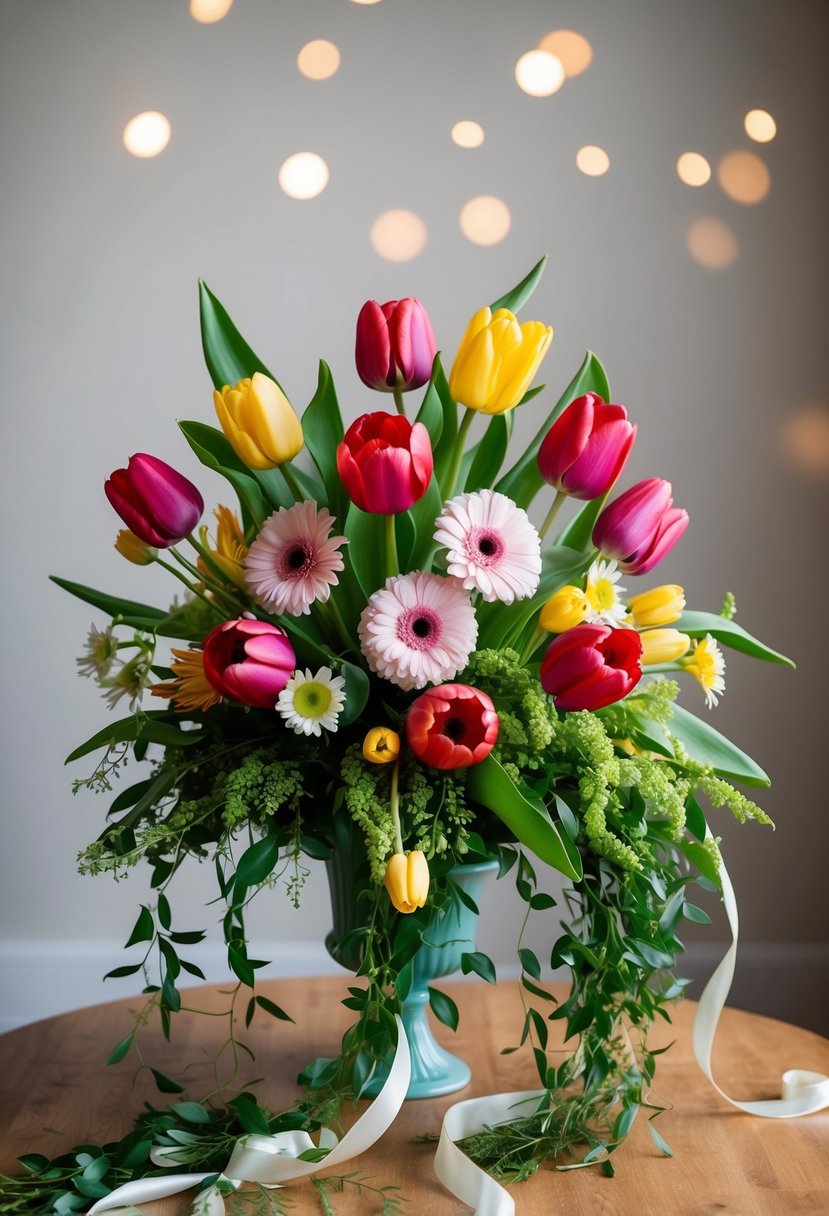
(381, 745)
(134, 549)
(659, 606)
(663, 645)
(496, 360)
(259, 421)
(407, 880)
(567, 607)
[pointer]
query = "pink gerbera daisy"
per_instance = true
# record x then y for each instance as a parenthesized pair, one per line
(419, 629)
(294, 561)
(492, 546)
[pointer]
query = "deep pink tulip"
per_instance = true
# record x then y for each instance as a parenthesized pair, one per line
(154, 501)
(385, 462)
(586, 447)
(395, 345)
(640, 526)
(249, 661)
(591, 666)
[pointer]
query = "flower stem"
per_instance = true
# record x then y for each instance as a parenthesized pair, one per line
(552, 513)
(535, 641)
(340, 625)
(394, 806)
(398, 400)
(457, 454)
(211, 579)
(392, 562)
(177, 574)
(293, 485)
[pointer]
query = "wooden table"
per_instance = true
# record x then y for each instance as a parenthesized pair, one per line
(55, 1092)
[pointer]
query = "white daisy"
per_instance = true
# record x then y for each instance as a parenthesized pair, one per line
(310, 703)
(492, 546)
(99, 653)
(294, 560)
(706, 664)
(604, 594)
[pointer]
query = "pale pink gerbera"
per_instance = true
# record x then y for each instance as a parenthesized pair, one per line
(419, 629)
(294, 561)
(492, 546)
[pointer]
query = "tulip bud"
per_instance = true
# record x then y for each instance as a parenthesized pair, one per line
(567, 607)
(134, 549)
(249, 661)
(385, 462)
(259, 421)
(659, 606)
(395, 345)
(663, 645)
(640, 526)
(591, 666)
(381, 745)
(157, 504)
(407, 880)
(496, 360)
(586, 447)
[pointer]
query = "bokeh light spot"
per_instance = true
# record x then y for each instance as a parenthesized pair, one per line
(744, 177)
(398, 236)
(539, 73)
(592, 160)
(806, 440)
(760, 126)
(468, 134)
(303, 175)
(693, 169)
(485, 220)
(147, 134)
(318, 59)
(208, 11)
(712, 243)
(572, 50)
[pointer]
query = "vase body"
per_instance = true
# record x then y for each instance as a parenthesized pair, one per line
(451, 933)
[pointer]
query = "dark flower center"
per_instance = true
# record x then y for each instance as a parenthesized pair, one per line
(296, 558)
(420, 627)
(487, 546)
(454, 729)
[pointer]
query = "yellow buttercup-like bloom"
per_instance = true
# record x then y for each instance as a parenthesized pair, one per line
(259, 421)
(381, 745)
(659, 606)
(497, 360)
(190, 689)
(230, 549)
(663, 645)
(567, 607)
(407, 880)
(134, 549)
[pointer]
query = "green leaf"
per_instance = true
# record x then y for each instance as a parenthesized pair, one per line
(489, 453)
(228, 357)
(356, 689)
(694, 818)
(526, 816)
(481, 964)
(659, 1140)
(529, 962)
(257, 862)
(166, 1084)
(523, 481)
(366, 548)
(708, 746)
(130, 613)
(157, 789)
(322, 428)
(215, 452)
(443, 448)
(697, 624)
(702, 860)
(250, 1115)
(164, 913)
(129, 797)
(274, 1010)
(121, 973)
(35, 1163)
(498, 624)
(120, 1050)
(423, 515)
(444, 1008)
(522, 291)
(191, 1112)
(578, 534)
(144, 928)
(697, 915)
(149, 727)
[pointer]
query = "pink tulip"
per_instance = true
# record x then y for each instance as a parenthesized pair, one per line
(591, 666)
(586, 447)
(385, 462)
(640, 526)
(395, 345)
(155, 502)
(249, 661)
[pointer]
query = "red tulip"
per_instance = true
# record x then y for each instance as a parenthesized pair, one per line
(155, 502)
(395, 345)
(249, 661)
(591, 666)
(385, 462)
(586, 447)
(640, 526)
(452, 726)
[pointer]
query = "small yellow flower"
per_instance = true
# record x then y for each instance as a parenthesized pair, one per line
(567, 607)
(663, 645)
(134, 549)
(496, 360)
(407, 880)
(230, 549)
(659, 606)
(259, 421)
(190, 689)
(627, 746)
(381, 745)
(707, 665)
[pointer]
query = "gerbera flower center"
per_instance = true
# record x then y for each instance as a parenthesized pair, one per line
(295, 561)
(419, 627)
(312, 699)
(485, 545)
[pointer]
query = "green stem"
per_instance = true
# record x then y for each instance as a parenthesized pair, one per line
(650, 668)
(457, 454)
(552, 513)
(177, 574)
(216, 582)
(340, 625)
(394, 806)
(392, 562)
(398, 400)
(293, 485)
(535, 641)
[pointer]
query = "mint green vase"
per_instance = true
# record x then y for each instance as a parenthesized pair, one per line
(451, 933)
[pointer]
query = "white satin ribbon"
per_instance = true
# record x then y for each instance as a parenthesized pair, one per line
(273, 1160)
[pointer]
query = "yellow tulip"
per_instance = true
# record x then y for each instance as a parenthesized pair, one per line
(407, 880)
(567, 607)
(659, 606)
(259, 421)
(381, 745)
(663, 645)
(497, 360)
(134, 549)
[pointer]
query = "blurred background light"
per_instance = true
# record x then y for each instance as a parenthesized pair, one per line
(303, 175)
(806, 440)
(398, 236)
(318, 59)
(712, 243)
(539, 73)
(147, 134)
(744, 177)
(468, 134)
(485, 220)
(592, 160)
(572, 50)
(208, 11)
(760, 126)
(693, 169)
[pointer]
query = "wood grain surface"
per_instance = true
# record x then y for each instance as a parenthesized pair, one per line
(55, 1091)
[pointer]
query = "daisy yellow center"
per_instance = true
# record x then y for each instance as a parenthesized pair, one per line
(705, 664)
(601, 595)
(312, 699)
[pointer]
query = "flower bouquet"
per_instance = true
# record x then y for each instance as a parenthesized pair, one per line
(379, 661)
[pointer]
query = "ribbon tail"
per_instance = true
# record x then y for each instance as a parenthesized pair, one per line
(145, 1190)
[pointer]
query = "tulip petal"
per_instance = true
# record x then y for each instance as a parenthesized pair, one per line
(373, 347)
(599, 465)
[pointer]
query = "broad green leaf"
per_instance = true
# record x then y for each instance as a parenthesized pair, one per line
(228, 357)
(522, 291)
(405, 531)
(356, 689)
(257, 862)
(527, 817)
(579, 532)
(130, 613)
(143, 929)
(250, 1114)
(366, 548)
(489, 453)
(497, 622)
(697, 624)
(444, 1008)
(423, 515)
(147, 727)
(702, 860)
(443, 448)
(481, 964)
(191, 1112)
(215, 452)
(322, 428)
(708, 746)
(431, 409)
(523, 481)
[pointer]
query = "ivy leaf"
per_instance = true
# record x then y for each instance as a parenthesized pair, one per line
(444, 1008)
(143, 930)
(166, 1084)
(257, 862)
(480, 963)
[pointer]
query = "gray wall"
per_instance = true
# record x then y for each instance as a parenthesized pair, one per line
(100, 254)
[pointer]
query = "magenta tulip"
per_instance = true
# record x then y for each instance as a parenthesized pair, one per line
(155, 502)
(586, 447)
(385, 462)
(249, 661)
(591, 666)
(640, 526)
(395, 345)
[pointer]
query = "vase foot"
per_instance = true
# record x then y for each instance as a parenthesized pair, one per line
(445, 1075)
